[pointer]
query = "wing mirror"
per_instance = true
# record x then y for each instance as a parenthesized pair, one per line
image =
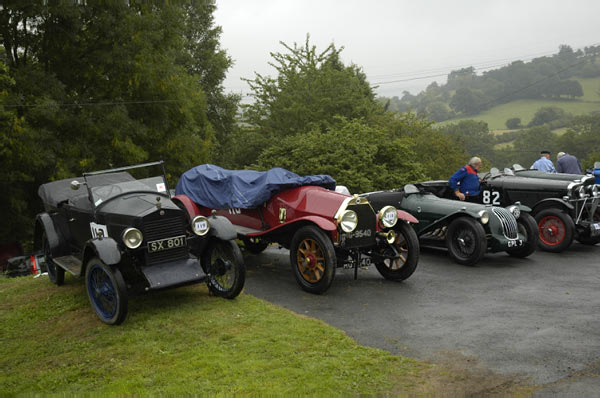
(76, 184)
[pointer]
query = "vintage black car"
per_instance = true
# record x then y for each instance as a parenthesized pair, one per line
(563, 209)
(520, 171)
(468, 230)
(121, 229)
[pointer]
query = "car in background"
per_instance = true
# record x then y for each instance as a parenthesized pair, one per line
(121, 231)
(467, 230)
(520, 171)
(322, 229)
(563, 209)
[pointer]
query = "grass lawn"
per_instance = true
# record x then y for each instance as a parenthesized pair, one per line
(183, 341)
(591, 88)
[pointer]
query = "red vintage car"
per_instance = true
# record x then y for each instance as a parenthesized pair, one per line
(323, 229)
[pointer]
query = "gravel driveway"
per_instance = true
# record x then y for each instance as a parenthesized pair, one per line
(535, 319)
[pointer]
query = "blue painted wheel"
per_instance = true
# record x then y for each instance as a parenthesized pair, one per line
(107, 292)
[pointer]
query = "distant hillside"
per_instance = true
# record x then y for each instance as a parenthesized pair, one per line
(569, 80)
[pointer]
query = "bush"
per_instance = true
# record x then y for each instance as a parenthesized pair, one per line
(513, 123)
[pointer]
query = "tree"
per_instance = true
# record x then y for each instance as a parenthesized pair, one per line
(545, 115)
(467, 101)
(311, 88)
(513, 123)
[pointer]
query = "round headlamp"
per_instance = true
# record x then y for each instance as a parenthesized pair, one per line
(200, 225)
(581, 192)
(515, 211)
(484, 216)
(348, 220)
(388, 216)
(132, 238)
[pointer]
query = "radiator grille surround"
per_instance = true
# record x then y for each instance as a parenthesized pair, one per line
(510, 228)
(161, 229)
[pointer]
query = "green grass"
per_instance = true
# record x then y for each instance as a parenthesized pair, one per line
(182, 341)
(591, 88)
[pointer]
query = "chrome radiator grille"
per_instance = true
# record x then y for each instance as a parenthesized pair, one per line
(508, 221)
(161, 229)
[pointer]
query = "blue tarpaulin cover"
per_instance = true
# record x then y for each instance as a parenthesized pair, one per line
(217, 188)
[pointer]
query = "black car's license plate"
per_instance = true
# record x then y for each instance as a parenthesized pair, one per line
(166, 244)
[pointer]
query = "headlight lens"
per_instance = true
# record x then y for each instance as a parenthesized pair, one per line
(581, 192)
(348, 221)
(200, 225)
(484, 216)
(515, 211)
(388, 216)
(132, 238)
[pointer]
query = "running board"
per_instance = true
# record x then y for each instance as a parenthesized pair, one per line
(69, 263)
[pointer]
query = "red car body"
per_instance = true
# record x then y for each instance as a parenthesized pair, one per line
(314, 210)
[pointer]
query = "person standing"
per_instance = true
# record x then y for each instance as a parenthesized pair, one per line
(465, 182)
(544, 163)
(566, 163)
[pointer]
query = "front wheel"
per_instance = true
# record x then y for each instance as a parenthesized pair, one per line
(55, 273)
(313, 259)
(223, 262)
(403, 255)
(556, 230)
(466, 241)
(107, 291)
(589, 240)
(528, 228)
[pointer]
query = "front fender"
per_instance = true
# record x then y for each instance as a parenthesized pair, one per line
(320, 222)
(521, 207)
(406, 216)
(183, 201)
(552, 202)
(44, 223)
(222, 228)
(106, 249)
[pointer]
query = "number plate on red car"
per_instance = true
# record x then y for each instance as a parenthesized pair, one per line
(166, 244)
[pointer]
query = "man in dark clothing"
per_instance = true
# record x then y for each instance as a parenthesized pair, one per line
(566, 163)
(465, 182)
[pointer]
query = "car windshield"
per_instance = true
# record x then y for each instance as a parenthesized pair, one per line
(107, 185)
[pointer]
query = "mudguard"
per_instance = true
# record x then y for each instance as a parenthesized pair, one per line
(521, 207)
(106, 249)
(44, 223)
(552, 202)
(406, 216)
(221, 227)
(187, 204)
(321, 222)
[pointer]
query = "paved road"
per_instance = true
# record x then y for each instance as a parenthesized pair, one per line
(537, 318)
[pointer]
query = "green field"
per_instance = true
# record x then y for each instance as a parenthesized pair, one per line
(525, 109)
(183, 341)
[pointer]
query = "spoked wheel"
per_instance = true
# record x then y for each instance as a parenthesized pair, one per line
(107, 291)
(589, 240)
(313, 259)
(528, 228)
(223, 262)
(466, 241)
(55, 273)
(556, 230)
(403, 254)
(255, 245)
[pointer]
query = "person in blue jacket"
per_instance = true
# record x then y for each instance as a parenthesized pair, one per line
(544, 163)
(465, 182)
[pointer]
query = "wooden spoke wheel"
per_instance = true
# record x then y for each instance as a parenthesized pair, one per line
(313, 259)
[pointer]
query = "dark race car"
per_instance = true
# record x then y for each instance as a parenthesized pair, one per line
(468, 230)
(322, 229)
(520, 171)
(563, 209)
(122, 232)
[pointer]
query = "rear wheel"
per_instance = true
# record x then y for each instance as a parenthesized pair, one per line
(466, 241)
(107, 291)
(223, 262)
(55, 273)
(313, 259)
(404, 252)
(556, 230)
(255, 245)
(528, 228)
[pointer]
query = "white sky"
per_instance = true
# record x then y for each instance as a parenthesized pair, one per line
(395, 40)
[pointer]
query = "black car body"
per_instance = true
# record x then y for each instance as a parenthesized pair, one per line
(126, 235)
(563, 209)
(467, 230)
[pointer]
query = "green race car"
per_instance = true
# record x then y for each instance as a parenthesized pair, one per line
(468, 230)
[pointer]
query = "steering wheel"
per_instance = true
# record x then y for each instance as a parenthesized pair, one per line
(107, 191)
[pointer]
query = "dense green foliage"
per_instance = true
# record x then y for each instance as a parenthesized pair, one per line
(122, 83)
(467, 93)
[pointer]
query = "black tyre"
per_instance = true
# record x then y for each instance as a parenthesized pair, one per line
(313, 259)
(405, 249)
(466, 241)
(223, 262)
(588, 240)
(527, 227)
(107, 291)
(556, 230)
(255, 245)
(55, 273)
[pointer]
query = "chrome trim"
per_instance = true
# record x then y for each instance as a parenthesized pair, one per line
(510, 228)
(198, 218)
(125, 240)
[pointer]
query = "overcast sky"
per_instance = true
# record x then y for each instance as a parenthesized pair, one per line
(399, 40)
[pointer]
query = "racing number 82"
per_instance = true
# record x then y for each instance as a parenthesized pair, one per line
(491, 197)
